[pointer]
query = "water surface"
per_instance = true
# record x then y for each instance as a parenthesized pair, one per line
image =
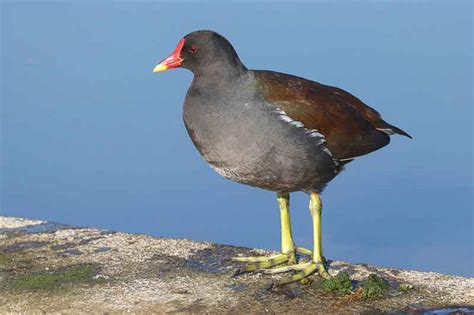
(92, 137)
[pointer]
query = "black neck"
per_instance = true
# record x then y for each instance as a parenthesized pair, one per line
(223, 70)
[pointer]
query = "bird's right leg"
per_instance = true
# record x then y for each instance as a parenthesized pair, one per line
(287, 244)
(288, 248)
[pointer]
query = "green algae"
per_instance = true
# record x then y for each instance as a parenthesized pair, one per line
(341, 283)
(404, 287)
(5, 261)
(53, 279)
(374, 287)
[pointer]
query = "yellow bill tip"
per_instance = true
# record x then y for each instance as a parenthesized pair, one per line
(160, 68)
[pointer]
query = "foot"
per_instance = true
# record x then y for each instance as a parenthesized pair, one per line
(306, 269)
(267, 262)
(258, 263)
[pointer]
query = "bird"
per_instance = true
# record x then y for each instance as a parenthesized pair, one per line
(274, 131)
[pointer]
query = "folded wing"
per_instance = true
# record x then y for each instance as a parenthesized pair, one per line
(350, 127)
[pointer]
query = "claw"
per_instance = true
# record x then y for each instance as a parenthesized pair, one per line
(236, 272)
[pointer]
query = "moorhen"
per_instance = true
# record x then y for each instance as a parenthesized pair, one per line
(274, 131)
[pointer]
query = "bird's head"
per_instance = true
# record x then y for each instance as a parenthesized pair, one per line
(201, 50)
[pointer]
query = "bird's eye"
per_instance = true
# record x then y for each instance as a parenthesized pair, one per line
(192, 49)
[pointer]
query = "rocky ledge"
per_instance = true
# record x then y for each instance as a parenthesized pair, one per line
(47, 267)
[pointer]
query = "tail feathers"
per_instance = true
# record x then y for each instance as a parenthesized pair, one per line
(390, 129)
(400, 132)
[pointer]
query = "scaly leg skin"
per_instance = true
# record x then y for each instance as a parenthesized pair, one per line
(288, 249)
(317, 261)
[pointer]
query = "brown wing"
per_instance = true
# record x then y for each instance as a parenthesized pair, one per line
(351, 128)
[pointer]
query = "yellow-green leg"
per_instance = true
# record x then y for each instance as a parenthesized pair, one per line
(317, 261)
(288, 248)
(287, 245)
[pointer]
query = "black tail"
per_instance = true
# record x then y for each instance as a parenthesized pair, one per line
(400, 131)
(390, 129)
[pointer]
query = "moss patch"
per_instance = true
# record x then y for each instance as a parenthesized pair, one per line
(374, 287)
(5, 261)
(405, 287)
(341, 284)
(53, 280)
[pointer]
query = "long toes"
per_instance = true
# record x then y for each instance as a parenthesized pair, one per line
(323, 272)
(299, 276)
(254, 258)
(295, 267)
(269, 263)
(308, 270)
(303, 250)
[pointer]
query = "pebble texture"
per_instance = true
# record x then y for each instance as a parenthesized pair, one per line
(47, 267)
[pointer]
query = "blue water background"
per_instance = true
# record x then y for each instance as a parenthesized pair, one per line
(90, 136)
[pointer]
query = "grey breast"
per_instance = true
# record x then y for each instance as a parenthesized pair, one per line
(250, 141)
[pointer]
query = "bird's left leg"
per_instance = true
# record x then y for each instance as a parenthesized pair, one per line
(288, 248)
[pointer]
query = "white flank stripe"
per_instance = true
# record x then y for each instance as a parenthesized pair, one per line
(386, 130)
(314, 133)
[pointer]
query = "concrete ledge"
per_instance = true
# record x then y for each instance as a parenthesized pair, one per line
(47, 267)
